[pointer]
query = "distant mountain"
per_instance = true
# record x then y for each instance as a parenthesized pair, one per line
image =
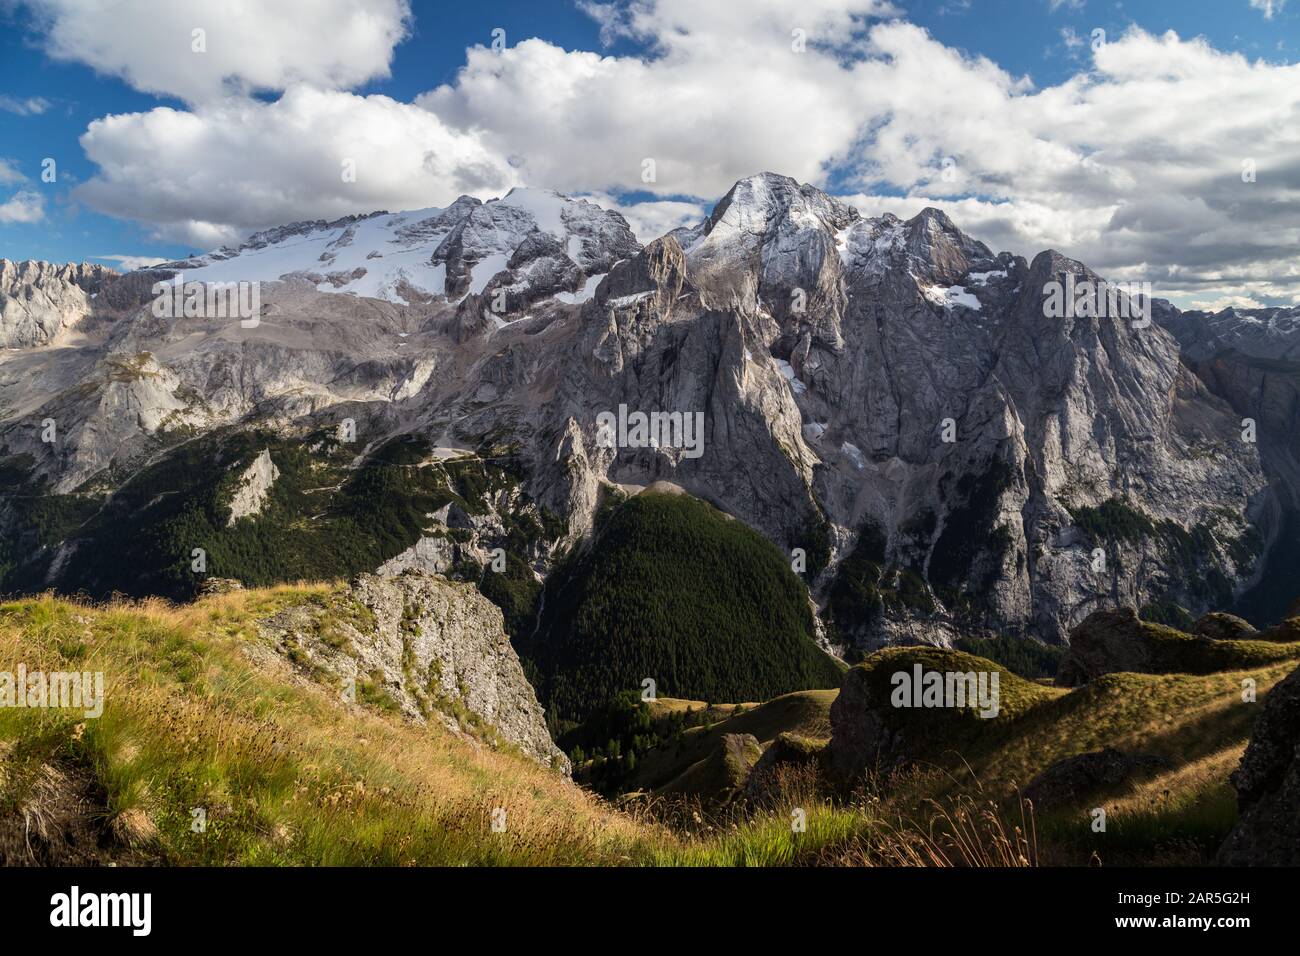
(885, 388)
(547, 243)
(1251, 358)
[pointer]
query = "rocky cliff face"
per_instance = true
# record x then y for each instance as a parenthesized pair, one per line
(431, 648)
(42, 303)
(254, 485)
(899, 374)
(1268, 786)
(1251, 358)
(846, 373)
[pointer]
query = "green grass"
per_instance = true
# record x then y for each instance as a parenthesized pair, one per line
(803, 712)
(201, 712)
(1174, 651)
(200, 715)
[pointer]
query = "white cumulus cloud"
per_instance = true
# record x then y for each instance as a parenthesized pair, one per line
(1161, 158)
(24, 206)
(242, 46)
(209, 176)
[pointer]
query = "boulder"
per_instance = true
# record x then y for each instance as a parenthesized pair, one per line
(787, 751)
(1103, 643)
(861, 738)
(1219, 626)
(740, 753)
(720, 775)
(219, 586)
(1268, 786)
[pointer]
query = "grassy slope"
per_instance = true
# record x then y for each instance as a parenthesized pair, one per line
(1198, 721)
(201, 713)
(803, 712)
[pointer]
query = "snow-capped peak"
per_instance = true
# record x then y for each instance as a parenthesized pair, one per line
(425, 254)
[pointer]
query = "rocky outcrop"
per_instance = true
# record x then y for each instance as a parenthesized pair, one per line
(1117, 641)
(871, 736)
(787, 753)
(1219, 626)
(253, 487)
(908, 705)
(1268, 786)
(1104, 643)
(740, 752)
(214, 585)
(1072, 779)
(430, 648)
(721, 774)
(862, 738)
(42, 303)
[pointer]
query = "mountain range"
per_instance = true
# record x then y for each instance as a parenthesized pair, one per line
(887, 401)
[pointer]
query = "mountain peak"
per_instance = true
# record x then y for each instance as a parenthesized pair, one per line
(933, 215)
(423, 254)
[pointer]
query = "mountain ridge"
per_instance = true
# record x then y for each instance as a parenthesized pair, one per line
(829, 354)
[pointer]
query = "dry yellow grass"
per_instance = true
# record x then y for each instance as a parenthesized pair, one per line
(202, 714)
(199, 715)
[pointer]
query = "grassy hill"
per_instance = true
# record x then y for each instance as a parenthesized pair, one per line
(675, 591)
(667, 768)
(202, 713)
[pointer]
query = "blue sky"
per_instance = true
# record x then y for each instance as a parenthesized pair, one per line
(152, 186)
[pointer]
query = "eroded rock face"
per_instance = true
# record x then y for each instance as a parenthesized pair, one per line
(436, 649)
(42, 303)
(831, 356)
(1268, 786)
(254, 486)
(861, 739)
